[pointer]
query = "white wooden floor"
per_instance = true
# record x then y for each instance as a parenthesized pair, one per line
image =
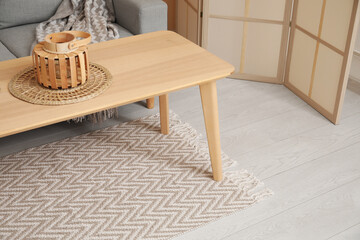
(312, 166)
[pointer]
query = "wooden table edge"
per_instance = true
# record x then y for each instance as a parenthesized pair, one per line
(83, 113)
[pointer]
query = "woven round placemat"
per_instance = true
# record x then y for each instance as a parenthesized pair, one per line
(25, 87)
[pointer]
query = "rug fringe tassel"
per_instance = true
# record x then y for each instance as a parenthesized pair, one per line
(251, 186)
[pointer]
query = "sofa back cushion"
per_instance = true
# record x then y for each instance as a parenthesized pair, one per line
(19, 12)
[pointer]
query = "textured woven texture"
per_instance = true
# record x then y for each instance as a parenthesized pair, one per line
(123, 182)
(25, 87)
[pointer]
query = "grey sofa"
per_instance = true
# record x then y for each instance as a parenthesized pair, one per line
(19, 18)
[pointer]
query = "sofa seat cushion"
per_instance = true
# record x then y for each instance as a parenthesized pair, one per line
(20, 12)
(19, 39)
(5, 54)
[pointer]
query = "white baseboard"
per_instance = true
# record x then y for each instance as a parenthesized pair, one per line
(354, 72)
(354, 78)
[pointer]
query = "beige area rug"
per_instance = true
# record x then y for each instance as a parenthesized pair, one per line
(122, 182)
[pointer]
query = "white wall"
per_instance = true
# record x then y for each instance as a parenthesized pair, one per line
(355, 65)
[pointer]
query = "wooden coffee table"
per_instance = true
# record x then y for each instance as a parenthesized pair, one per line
(142, 66)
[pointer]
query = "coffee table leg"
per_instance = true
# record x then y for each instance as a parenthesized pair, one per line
(164, 113)
(211, 117)
(150, 103)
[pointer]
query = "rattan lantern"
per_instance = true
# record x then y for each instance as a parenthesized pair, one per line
(62, 61)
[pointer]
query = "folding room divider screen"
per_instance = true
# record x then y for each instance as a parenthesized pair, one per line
(303, 44)
(188, 15)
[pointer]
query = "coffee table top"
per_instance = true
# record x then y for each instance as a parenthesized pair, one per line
(142, 66)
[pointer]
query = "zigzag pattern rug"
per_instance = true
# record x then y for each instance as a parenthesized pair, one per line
(123, 182)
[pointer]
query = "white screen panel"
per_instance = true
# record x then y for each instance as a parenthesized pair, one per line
(327, 76)
(227, 7)
(336, 22)
(266, 9)
(309, 14)
(225, 39)
(302, 60)
(357, 42)
(263, 49)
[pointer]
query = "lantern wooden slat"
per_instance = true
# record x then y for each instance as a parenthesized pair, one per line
(73, 71)
(61, 61)
(43, 71)
(82, 67)
(87, 61)
(63, 72)
(37, 68)
(52, 73)
(34, 64)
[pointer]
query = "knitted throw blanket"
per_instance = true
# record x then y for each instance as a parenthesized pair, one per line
(93, 16)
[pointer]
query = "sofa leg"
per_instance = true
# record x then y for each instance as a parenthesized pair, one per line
(150, 103)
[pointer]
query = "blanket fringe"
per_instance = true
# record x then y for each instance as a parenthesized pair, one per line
(97, 117)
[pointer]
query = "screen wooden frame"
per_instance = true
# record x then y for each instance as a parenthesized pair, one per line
(287, 41)
(284, 39)
(183, 24)
(334, 116)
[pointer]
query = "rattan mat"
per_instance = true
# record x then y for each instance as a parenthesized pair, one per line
(25, 87)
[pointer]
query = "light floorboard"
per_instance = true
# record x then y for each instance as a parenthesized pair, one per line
(320, 218)
(352, 100)
(312, 166)
(269, 131)
(292, 188)
(299, 149)
(352, 232)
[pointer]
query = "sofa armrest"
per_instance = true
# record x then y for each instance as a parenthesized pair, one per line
(141, 16)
